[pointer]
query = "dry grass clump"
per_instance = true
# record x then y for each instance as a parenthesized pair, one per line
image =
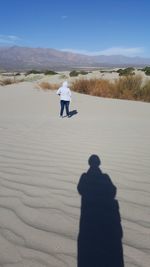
(96, 87)
(7, 81)
(48, 86)
(144, 93)
(129, 87)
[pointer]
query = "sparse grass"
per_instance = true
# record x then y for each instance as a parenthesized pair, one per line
(33, 78)
(63, 76)
(48, 86)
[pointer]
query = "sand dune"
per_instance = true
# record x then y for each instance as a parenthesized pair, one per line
(42, 158)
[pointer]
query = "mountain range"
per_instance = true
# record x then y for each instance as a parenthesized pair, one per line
(18, 58)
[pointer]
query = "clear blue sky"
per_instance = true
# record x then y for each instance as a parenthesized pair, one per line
(91, 27)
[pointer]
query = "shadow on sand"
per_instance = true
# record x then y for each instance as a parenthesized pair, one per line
(73, 112)
(100, 233)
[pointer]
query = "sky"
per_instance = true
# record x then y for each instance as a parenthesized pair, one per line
(92, 27)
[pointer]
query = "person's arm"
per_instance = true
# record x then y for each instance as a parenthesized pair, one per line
(69, 92)
(58, 92)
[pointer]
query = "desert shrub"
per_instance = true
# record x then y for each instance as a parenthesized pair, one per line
(46, 86)
(127, 71)
(50, 72)
(147, 72)
(83, 72)
(96, 87)
(33, 72)
(7, 81)
(63, 76)
(73, 73)
(10, 81)
(145, 92)
(81, 86)
(146, 68)
(103, 88)
(46, 72)
(107, 71)
(128, 87)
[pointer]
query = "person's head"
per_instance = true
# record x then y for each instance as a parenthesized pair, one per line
(65, 84)
(94, 161)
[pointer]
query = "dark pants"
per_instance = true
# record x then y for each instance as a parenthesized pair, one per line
(65, 104)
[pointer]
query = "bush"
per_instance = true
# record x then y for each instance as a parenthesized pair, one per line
(96, 87)
(74, 73)
(33, 72)
(146, 70)
(107, 71)
(82, 72)
(50, 72)
(63, 76)
(128, 87)
(127, 71)
(145, 92)
(7, 81)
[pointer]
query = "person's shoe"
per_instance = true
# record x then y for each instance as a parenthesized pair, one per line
(60, 116)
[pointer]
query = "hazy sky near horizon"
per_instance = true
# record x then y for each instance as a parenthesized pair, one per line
(83, 26)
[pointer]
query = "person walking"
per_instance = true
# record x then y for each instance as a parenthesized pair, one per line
(65, 97)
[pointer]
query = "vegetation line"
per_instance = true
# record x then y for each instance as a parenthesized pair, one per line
(129, 87)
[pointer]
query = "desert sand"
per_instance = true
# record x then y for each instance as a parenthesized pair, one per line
(42, 158)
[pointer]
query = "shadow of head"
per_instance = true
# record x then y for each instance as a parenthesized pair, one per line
(94, 161)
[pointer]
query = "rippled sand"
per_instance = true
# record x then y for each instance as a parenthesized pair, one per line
(41, 160)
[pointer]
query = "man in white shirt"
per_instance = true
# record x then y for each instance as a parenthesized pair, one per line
(65, 98)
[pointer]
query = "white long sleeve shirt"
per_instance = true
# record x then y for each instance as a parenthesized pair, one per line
(64, 92)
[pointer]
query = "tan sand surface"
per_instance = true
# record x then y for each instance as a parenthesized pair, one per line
(41, 160)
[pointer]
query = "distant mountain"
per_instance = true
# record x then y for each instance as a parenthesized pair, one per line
(25, 58)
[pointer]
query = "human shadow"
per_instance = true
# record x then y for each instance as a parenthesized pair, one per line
(100, 232)
(73, 112)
